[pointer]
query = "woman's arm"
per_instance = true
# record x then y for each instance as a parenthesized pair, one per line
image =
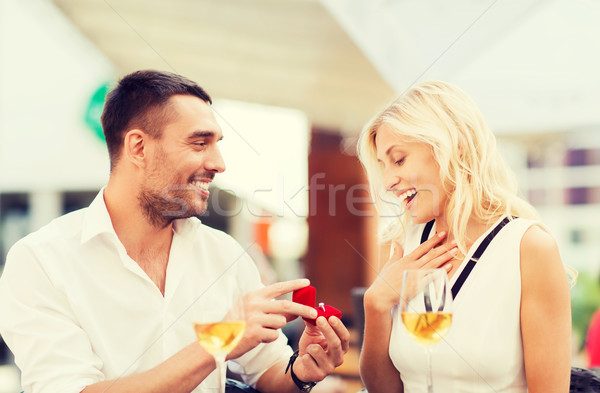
(545, 314)
(376, 368)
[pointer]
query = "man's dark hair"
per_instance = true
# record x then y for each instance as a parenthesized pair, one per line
(140, 101)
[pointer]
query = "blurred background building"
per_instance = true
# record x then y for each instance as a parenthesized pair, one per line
(294, 82)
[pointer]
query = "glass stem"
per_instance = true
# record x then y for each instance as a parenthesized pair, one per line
(429, 371)
(222, 369)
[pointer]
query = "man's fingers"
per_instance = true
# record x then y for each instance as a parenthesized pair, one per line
(327, 352)
(319, 363)
(280, 288)
(341, 332)
(287, 308)
(271, 321)
(314, 360)
(335, 342)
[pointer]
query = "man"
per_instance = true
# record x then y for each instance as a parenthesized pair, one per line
(104, 299)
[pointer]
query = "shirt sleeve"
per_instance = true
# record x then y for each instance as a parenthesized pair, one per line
(52, 351)
(255, 362)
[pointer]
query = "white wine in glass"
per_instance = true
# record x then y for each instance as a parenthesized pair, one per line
(219, 338)
(427, 328)
(426, 309)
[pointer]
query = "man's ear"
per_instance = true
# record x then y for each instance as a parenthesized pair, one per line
(134, 147)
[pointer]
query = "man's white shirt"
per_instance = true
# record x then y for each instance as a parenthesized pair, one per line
(75, 309)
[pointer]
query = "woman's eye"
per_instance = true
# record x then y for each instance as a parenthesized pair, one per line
(399, 162)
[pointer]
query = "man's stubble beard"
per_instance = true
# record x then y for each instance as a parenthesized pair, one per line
(173, 203)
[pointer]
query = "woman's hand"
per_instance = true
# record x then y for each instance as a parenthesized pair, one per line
(384, 293)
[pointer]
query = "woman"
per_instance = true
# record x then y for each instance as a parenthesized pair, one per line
(430, 157)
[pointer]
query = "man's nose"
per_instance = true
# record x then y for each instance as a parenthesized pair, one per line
(215, 162)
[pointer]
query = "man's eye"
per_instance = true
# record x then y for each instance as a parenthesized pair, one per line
(199, 143)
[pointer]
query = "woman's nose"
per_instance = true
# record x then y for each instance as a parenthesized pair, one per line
(390, 179)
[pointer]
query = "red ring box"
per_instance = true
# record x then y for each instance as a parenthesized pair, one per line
(308, 297)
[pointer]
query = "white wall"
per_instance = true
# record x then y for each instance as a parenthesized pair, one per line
(48, 73)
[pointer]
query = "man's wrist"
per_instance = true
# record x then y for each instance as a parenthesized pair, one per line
(302, 385)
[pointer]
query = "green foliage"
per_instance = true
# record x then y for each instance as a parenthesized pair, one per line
(585, 299)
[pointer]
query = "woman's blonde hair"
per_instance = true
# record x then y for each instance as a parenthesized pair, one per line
(477, 181)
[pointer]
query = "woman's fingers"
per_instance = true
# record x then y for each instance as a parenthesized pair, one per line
(397, 254)
(397, 251)
(442, 260)
(428, 256)
(445, 249)
(440, 256)
(427, 246)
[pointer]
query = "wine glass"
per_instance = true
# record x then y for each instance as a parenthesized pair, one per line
(220, 337)
(426, 309)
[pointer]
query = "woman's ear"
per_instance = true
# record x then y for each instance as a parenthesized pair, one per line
(134, 147)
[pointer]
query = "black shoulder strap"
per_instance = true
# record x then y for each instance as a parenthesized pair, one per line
(476, 255)
(426, 230)
(471, 264)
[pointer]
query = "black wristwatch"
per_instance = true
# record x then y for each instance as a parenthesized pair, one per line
(303, 386)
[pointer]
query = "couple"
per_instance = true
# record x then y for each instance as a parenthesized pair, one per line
(103, 299)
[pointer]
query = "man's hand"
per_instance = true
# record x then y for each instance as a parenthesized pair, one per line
(321, 349)
(265, 315)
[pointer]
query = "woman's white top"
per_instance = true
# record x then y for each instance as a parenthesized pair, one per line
(483, 350)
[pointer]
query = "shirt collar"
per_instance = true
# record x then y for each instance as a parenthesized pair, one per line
(96, 220)
(185, 227)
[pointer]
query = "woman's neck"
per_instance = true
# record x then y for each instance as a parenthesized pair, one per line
(475, 228)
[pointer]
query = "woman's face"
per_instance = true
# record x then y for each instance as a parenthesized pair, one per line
(411, 173)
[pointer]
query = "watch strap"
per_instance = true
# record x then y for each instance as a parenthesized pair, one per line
(303, 386)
